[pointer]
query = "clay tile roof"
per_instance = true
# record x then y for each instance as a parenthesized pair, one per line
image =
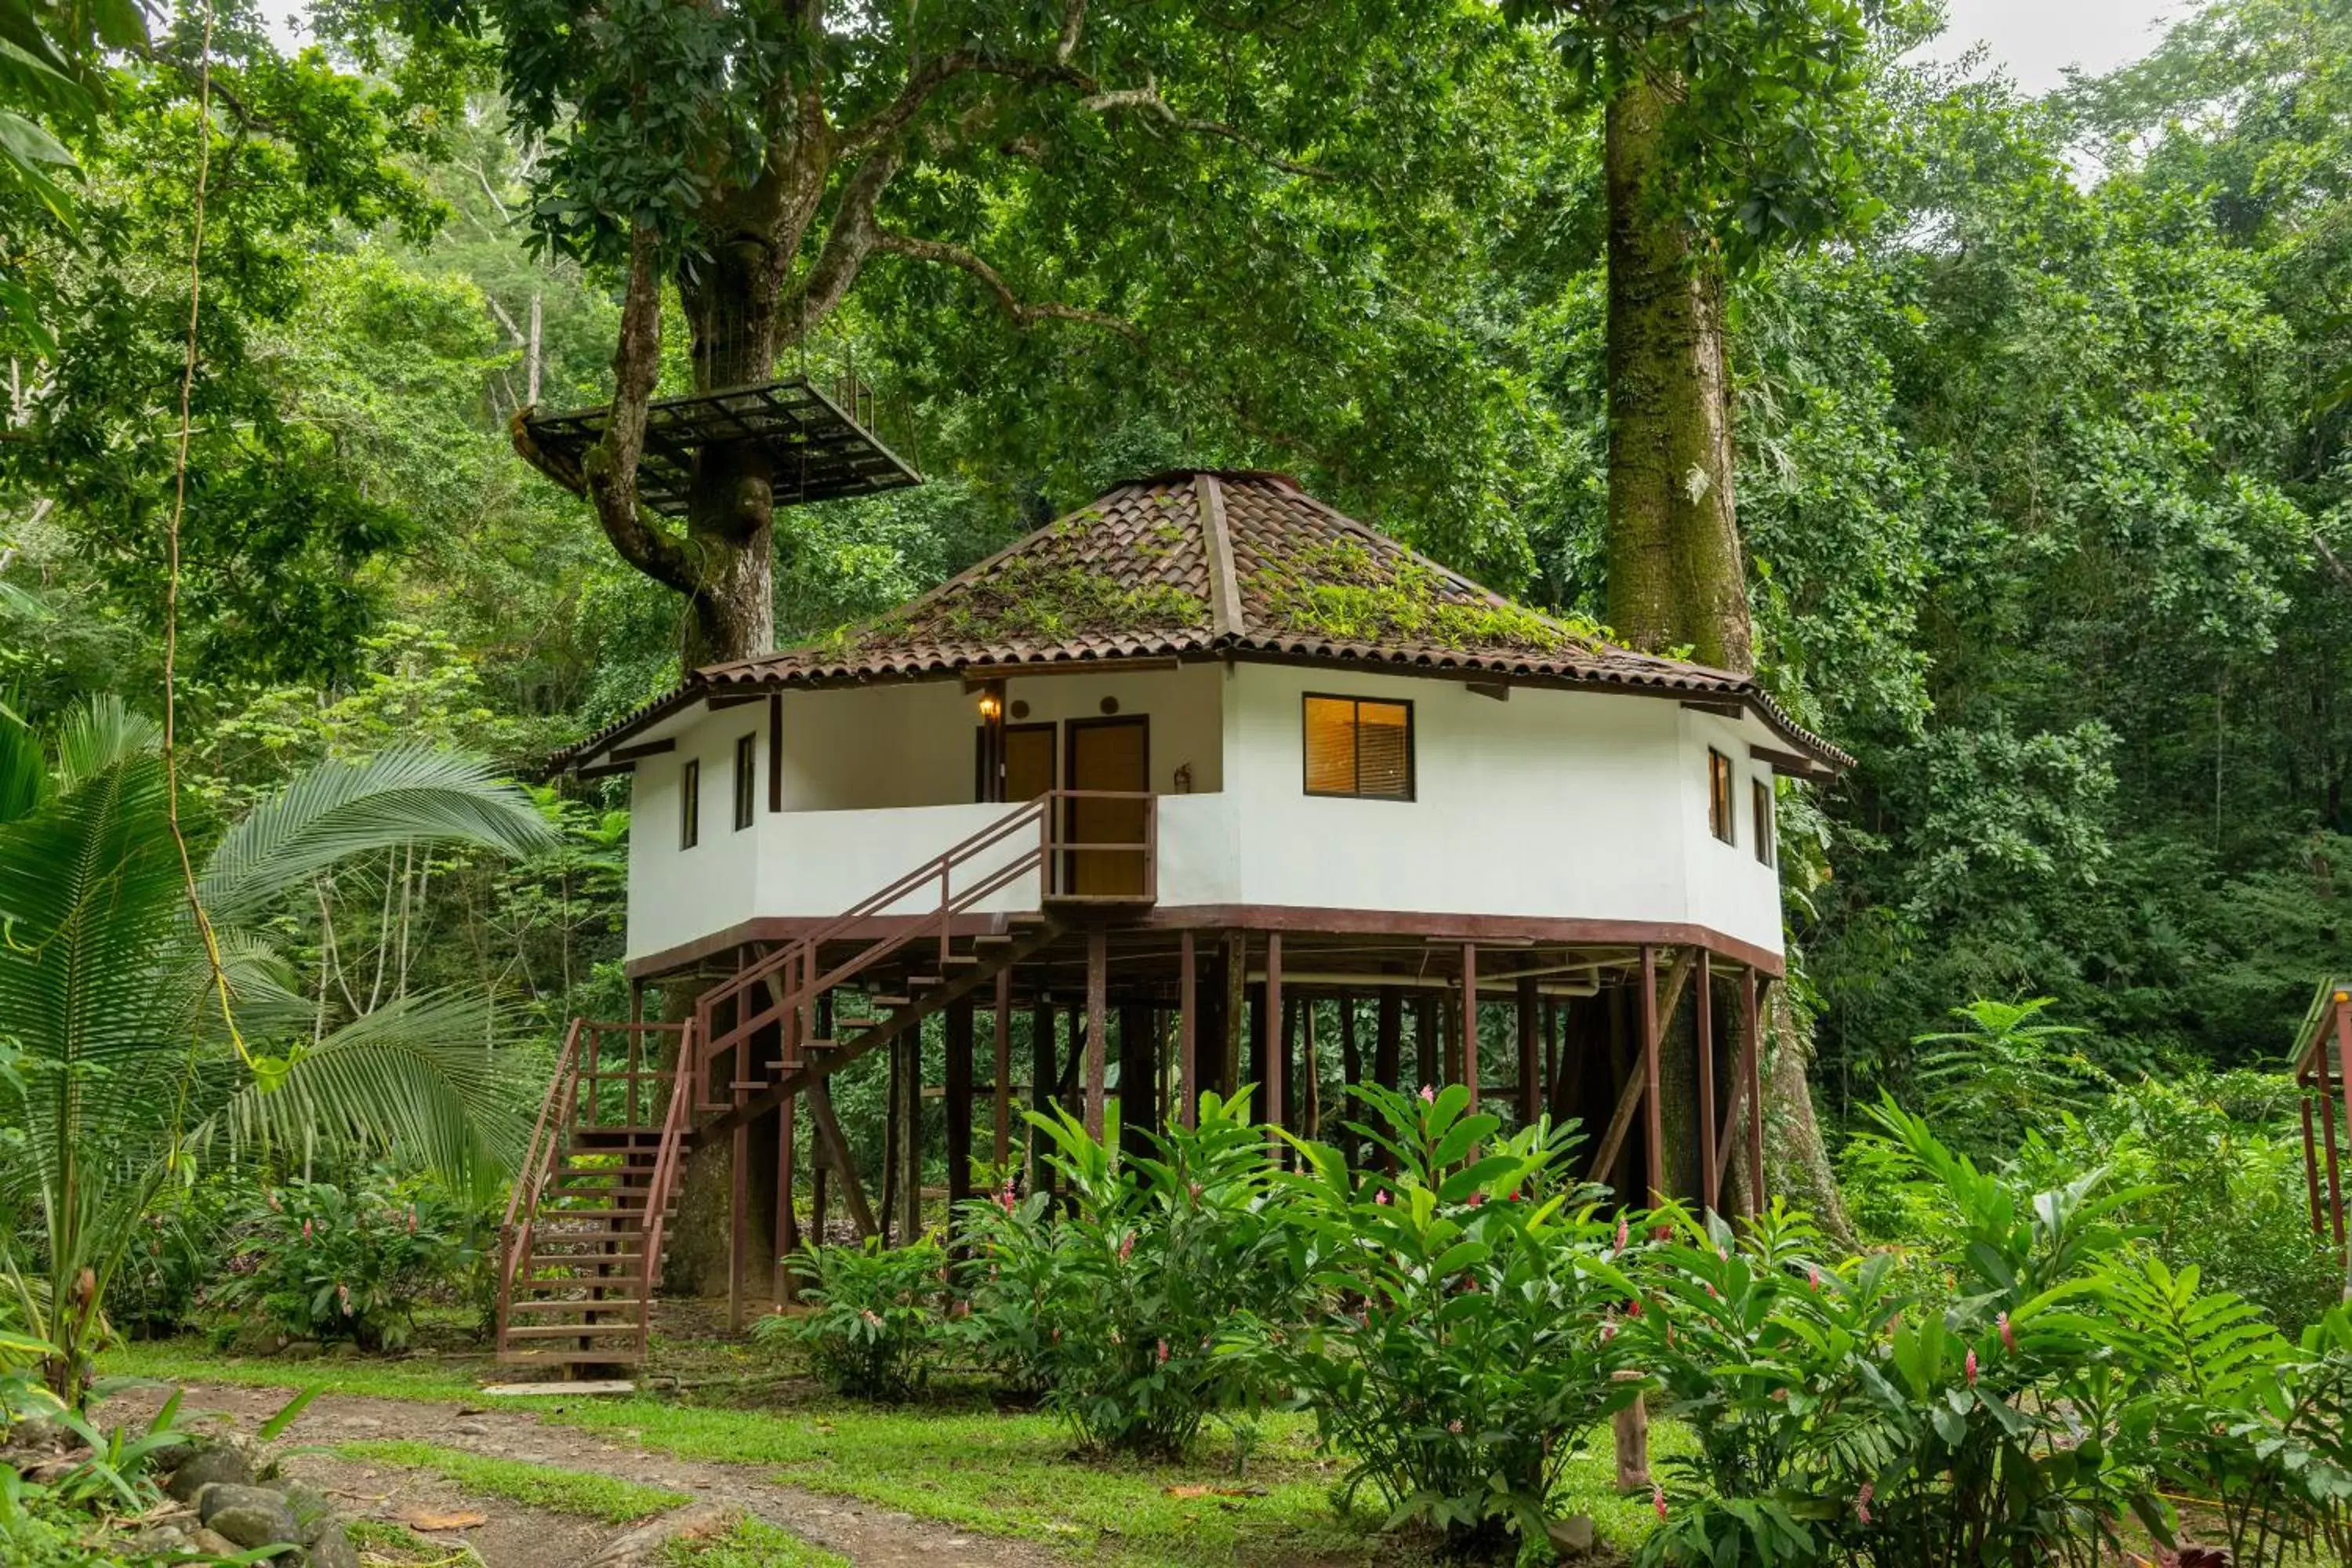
(1197, 562)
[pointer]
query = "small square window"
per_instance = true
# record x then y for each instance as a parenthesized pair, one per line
(1718, 796)
(1765, 838)
(1359, 747)
(690, 806)
(747, 779)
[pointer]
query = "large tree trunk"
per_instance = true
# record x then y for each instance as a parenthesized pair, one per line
(1676, 576)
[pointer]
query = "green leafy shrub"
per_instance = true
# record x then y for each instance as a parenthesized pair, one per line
(1461, 1349)
(2026, 1389)
(876, 1316)
(1116, 1309)
(319, 1262)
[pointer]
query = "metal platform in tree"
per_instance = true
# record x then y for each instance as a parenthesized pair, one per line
(820, 451)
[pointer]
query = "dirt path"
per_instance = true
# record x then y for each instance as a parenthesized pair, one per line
(519, 1537)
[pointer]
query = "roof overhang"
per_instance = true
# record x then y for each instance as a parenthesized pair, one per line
(1801, 753)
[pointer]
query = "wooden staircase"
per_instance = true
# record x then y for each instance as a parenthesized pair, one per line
(581, 1251)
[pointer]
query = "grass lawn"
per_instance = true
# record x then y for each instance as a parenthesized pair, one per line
(966, 1465)
(549, 1487)
(750, 1544)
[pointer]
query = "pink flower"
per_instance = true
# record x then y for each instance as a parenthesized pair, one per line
(1711, 1292)
(1633, 1308)
(1428, 1095)
(1622, 1235)
(305, 1230)
(1862, 1503)
(1454, 1425)
(1476, 1199)
(2007, 1335)
(871, 1316)
(1658, 1499)
(1382, 1196)
(343, 1294)
(1127, 1246)
(1813, 1275)
(1608, 1333)
(1970, 1366)
(271, 1199)
(1163, 1352)
(1005, 1200)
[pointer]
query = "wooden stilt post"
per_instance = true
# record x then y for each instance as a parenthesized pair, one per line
(1278, 1043)
(1000, 1031)
(1470, 1026)
(1045, 1071)
(1229, 1048)
(1188, 1035)
(909, 1046)
(1752, 1072)
(1654, 1119)
(834, 1150)
(1711, 1189)
(960, 1033)
(1531, 1066)
(1097, 1026)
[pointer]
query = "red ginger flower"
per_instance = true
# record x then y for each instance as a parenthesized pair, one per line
(1658, 1499)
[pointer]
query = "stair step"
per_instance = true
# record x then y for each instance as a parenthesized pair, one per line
(843, 1026)
(545, 1214)
(959, 960)
(559, 1304)
(992, 939)
(618, 1355)
(927, 980)
(890, 1001)
(569, 1331)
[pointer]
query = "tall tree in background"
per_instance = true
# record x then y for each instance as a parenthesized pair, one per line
(758, 158)
(1731, 132)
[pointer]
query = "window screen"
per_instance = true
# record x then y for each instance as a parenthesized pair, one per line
(746, 777)
(1357, 746)
(690, 806)
(1718, 795)
(1764, 835)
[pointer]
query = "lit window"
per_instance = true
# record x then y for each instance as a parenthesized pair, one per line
(747, 779)
(1718, 795)
(1764, 835)
(689, 806)
(1359, 747)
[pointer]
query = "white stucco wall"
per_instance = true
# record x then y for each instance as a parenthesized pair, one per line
(1554, 805)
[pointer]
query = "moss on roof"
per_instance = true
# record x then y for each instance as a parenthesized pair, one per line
(1342, 589)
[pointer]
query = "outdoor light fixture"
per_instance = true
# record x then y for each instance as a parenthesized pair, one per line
(989, 706)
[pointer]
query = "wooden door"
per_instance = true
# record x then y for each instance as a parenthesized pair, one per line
(1112, 754)
(1028, 763)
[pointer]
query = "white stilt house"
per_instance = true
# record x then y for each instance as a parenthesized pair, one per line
(1138, 784)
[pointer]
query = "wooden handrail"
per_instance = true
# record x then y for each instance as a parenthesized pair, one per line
(676, 1119)
(798, 961)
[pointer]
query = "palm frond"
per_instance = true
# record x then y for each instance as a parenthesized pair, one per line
(407, 795)
(98, 734)
(414, 1075)
(94, 900)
